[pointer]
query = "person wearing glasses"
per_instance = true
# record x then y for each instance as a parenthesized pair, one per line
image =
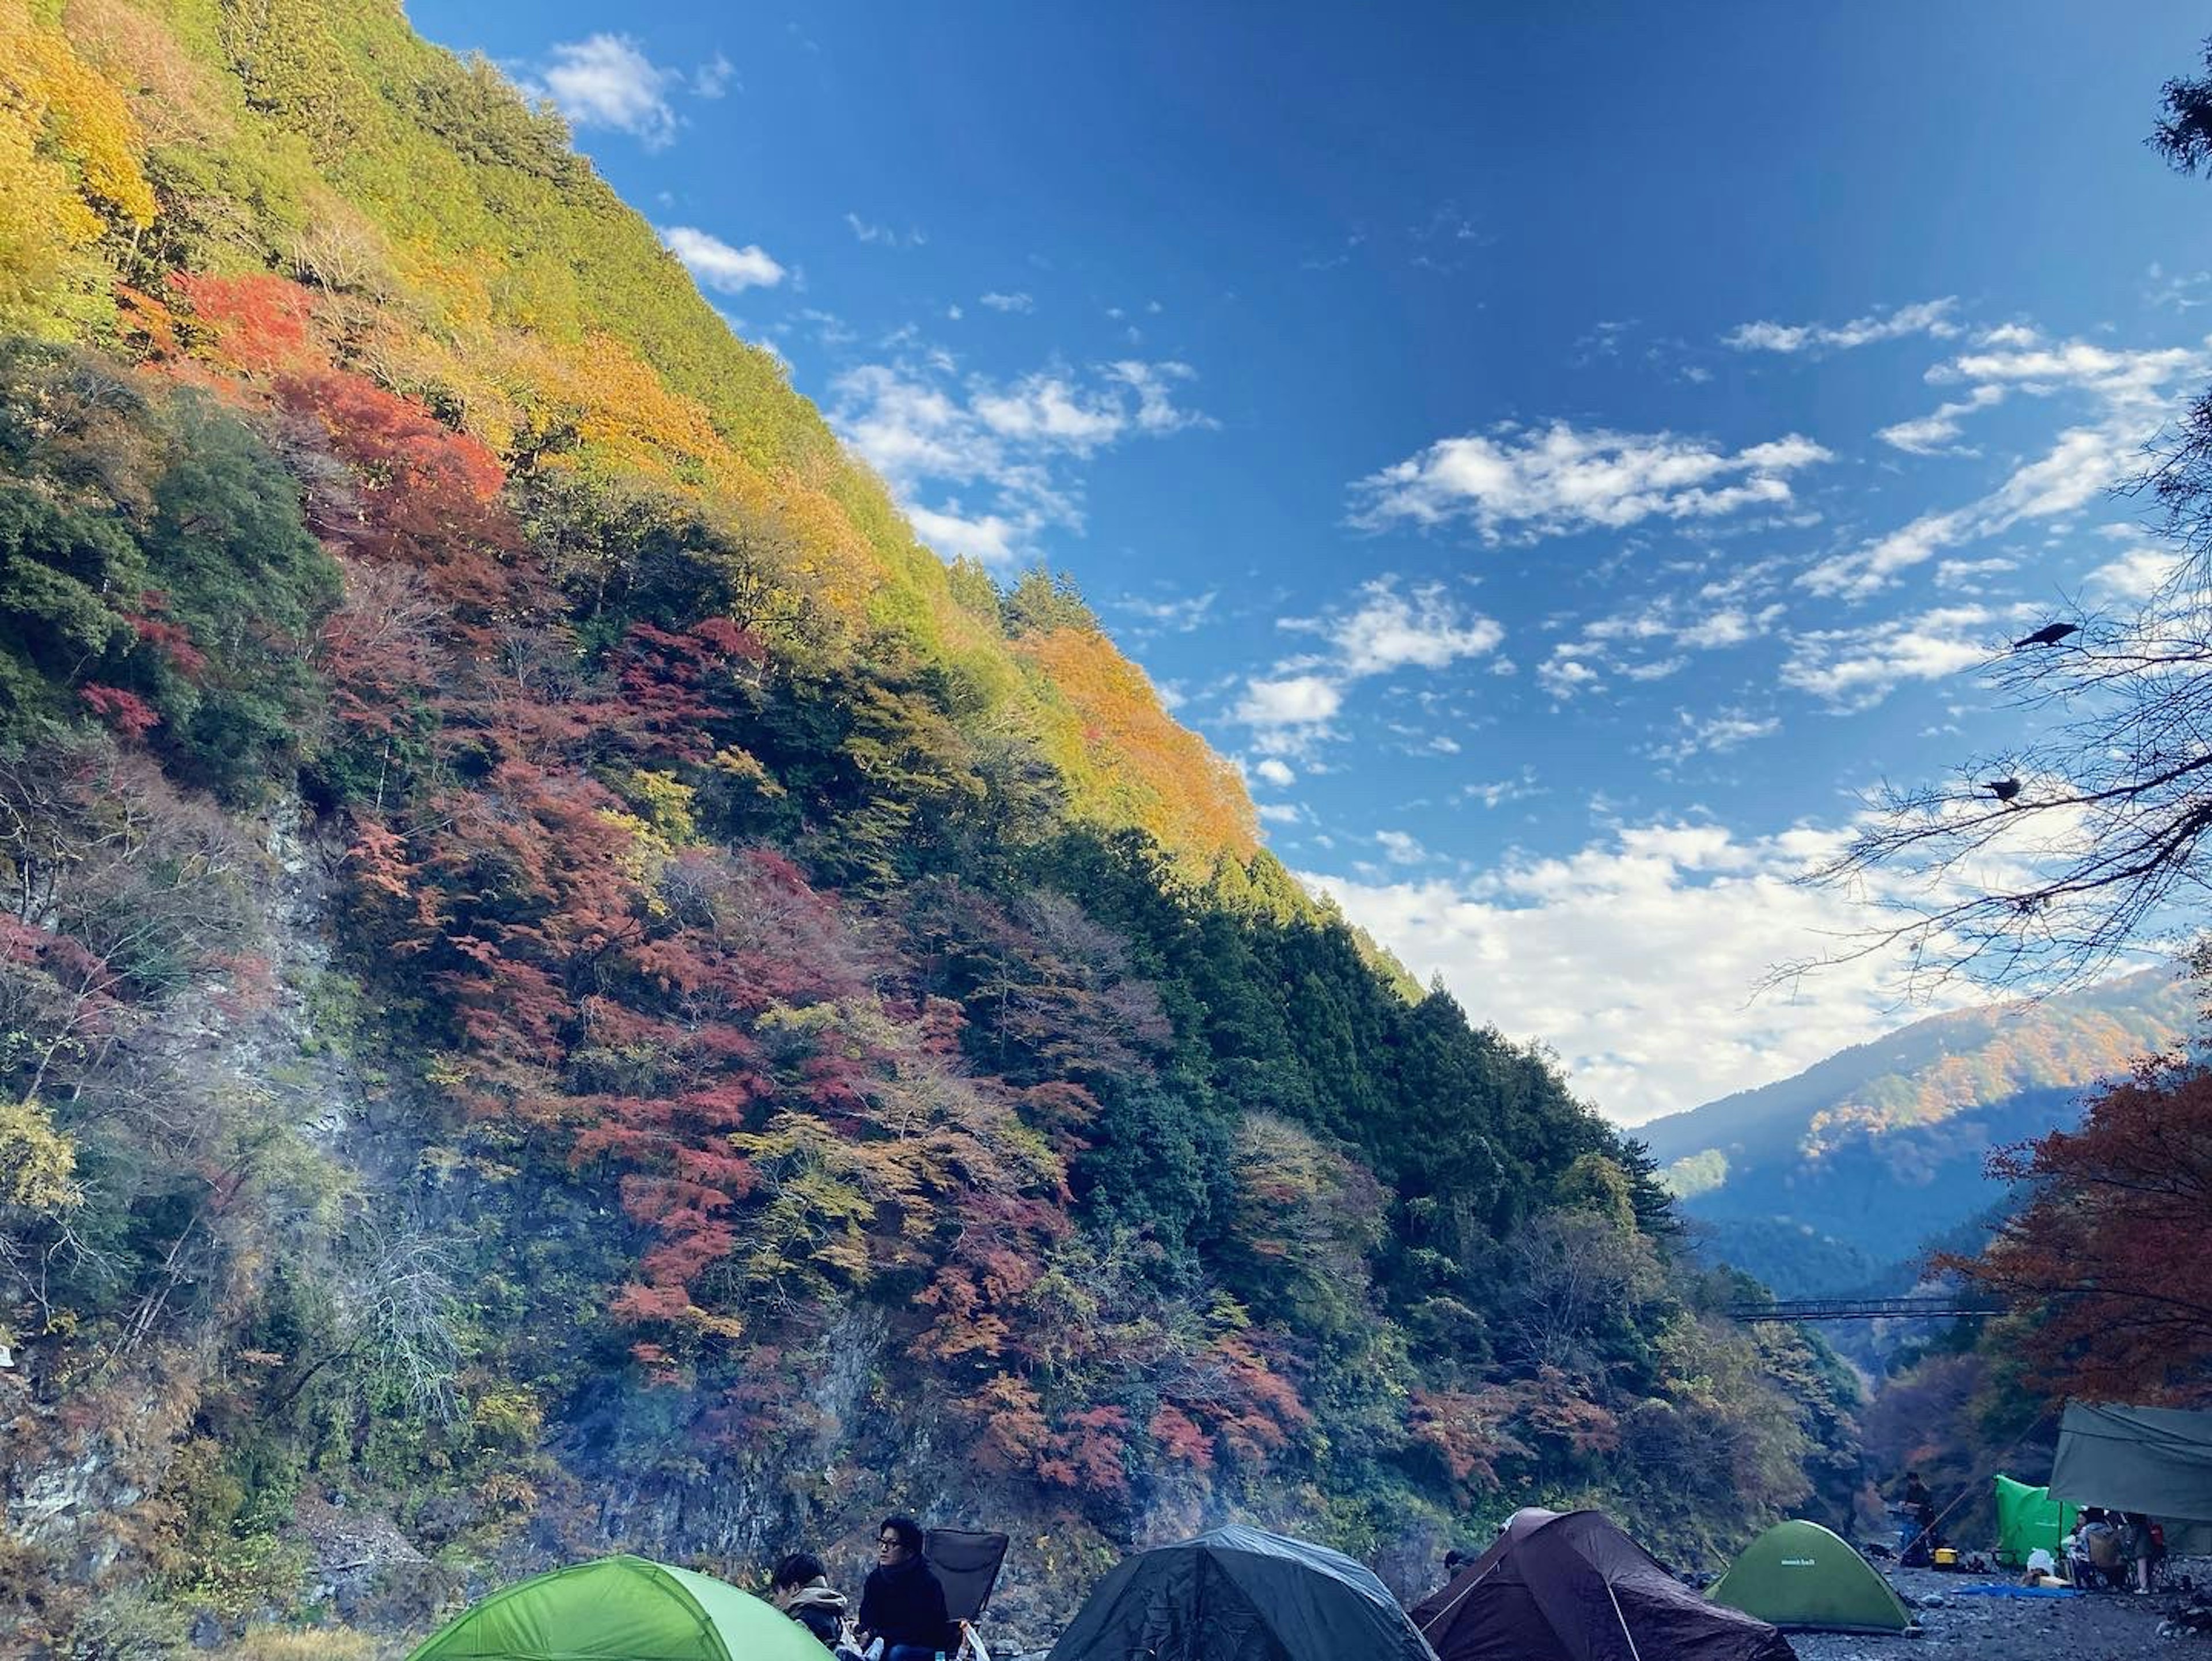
(902, 1602)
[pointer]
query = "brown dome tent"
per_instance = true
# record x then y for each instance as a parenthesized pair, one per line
(1570, 1587)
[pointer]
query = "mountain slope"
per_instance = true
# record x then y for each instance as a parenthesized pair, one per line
(565, 983)
(1815, 1182)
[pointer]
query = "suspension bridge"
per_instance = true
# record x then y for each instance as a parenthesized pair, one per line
(1867, 1309)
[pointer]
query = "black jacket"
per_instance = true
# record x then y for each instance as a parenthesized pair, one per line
(906, 1605)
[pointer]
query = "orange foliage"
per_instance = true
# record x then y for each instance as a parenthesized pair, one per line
(1165, 777)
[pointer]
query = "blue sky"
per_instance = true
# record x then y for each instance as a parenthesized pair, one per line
(1565, 455)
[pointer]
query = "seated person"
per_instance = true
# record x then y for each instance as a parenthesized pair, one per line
(799, 1586)
(902, 1602)
(2100, 1544)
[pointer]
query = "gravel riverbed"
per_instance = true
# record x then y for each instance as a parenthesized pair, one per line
(2094, 1626)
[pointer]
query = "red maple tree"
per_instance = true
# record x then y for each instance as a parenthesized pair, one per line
(2112, 1259)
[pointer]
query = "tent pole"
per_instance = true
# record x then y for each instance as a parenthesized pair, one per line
(1635, 1653)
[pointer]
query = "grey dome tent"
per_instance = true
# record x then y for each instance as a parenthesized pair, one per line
(1799, 1575)
(1241, 1594)
(1571, 1586)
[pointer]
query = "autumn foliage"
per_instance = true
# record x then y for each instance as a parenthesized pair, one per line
(2111, 1260)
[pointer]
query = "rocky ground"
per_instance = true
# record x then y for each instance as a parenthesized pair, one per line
(2097, 1627)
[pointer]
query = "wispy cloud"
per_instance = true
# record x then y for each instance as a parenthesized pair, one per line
(1009, 302)
(718, 265)
(1515, 480)
(1938, 433)
(938, 437)
(1178, 616)
(714, 78)
(889, 236)
(1932, 317)
(1699, 735)
(1855, 668)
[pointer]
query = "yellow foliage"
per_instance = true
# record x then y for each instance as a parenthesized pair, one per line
(37, 1162)
(69, 153)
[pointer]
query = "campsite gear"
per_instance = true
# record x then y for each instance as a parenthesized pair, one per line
(2028, 1520)
(967, 1563)
(623, 1606)
(1799, 1577)
(1946, 1557)
(1241, 1594)
(1572, 1587)
(2018, 1592)
(2156, 1460)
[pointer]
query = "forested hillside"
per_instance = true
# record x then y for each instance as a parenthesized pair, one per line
(1821, 1182)
(567, 982)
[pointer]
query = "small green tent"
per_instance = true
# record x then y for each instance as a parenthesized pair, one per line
(2028, 1518)
(621, 1609)
(1798, 1575)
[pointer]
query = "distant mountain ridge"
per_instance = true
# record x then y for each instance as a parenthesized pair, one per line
(1817, 1182)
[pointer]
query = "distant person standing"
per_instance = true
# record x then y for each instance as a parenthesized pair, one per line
(902, 1602)
(1916, 1531)
(2141, 1541)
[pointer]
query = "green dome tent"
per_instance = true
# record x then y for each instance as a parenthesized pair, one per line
(621, 1609)
(1799, 1575)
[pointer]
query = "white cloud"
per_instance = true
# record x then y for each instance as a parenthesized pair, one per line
(1565, 675)
(1274, 771)
(1009, 302)
(1389, 630)
(606, 81)
(1279, 813)
(1401, 847)
(2136, 574)
(1385, 632)
(925, 429)
(718, 265)
(1928, 317)
(1154, 385)
(1558, 480)
(1637, 957)
(991, 538)
(1856, 668)
(1288, 715)
(1936, 434)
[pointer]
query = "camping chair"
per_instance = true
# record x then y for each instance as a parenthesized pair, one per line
(966, 1562)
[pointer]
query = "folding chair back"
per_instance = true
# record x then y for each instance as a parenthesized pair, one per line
(967, 1563)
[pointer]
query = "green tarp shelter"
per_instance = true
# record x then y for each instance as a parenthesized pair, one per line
(2157, 1460)
(623, 1608)
(1241, 1594)
(2028, 1518)
(1799, 1577)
